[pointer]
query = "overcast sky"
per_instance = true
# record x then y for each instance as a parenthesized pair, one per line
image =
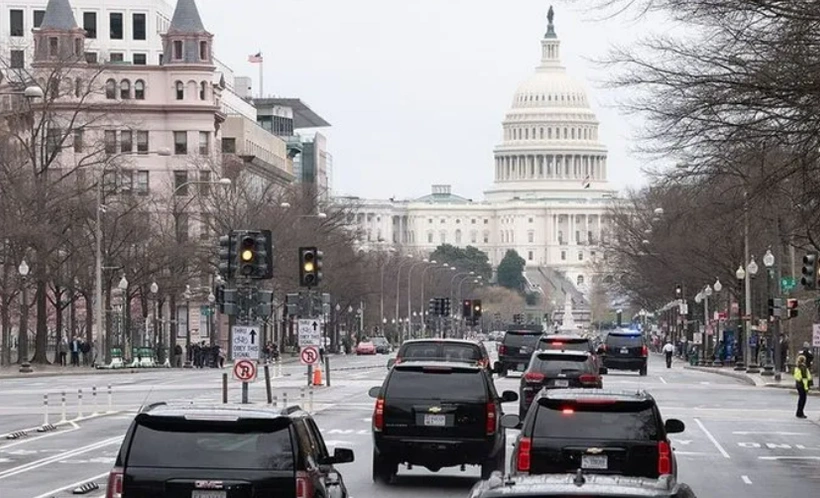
(415, 90)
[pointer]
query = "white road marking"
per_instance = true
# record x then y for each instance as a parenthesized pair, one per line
(663, 380)
(712, 438)
(746, 433)
(61, 456)
(51, 493)
(789, 458)
(74, 427)
(682, 441)
(746, 479)
(692, 453)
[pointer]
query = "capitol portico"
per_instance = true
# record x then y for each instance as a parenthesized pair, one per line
(549, 197)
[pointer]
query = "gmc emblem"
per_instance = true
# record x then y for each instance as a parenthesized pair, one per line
(208, 484)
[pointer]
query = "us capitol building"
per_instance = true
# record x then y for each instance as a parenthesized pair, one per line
(548, 200)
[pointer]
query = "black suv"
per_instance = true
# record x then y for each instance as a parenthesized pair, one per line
(582, 486)
(458, 350)
(625, 350)
(437, 414)
(515, 350)
(225, 451)
(571, 343)
(556, 369)
(598, 431)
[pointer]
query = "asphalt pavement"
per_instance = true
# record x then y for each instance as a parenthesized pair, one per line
(739, 439)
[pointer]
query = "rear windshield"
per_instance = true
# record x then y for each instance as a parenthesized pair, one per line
(624, 341)
(442, 385)
(514, 338)
(556, 364)
(617, 421)
(178, 443)
(447, 351)
(380, 341)
(571, 345)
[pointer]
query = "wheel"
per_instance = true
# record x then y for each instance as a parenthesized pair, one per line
(643, 371)
(383, 469)
(492, 464)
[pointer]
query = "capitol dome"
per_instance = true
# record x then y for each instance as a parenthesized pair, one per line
(550, 141)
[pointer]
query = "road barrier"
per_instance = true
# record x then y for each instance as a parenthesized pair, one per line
(79, 403)
(80, 409)
(45, 409)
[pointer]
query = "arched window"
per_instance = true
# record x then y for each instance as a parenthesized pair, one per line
(203, 50)
(542, 133)
(580, 280)
(111, 89)
(458, 237)
(139, 90)
(180, 89)
(125, 89)
(202, 89)
(429, 237)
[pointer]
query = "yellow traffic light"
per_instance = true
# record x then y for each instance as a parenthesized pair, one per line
(308, 266)
(247, 255)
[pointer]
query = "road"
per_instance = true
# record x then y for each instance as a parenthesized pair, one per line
(740, 440)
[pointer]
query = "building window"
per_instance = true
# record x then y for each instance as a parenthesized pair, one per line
(205, 183)
(116, 57)
(529, 255)
(204, 143)
(430, 221)
(442, 221)
(580, 280)
(429, 237)
(138, 26)
(180, 142)
(90, 24)
(110, 142)
(472, 221)
(442, 237)
(486, 221)
(53, 46)
(202, 87)
(530, 237)
(38, 18)
(473, 237)
(91, 57)
(16, 25)
(486, 237)
(139, 90)
(125, 181)
(204, 227)
(78, 141)
(560, 237)
(458, 221)
(180, 182)
(580, 256)
(530, 220)
(139, 59)
(125, 89)
(203, 50)
(458, 237)
(115, 25)
(142, 142)
(577, 236)
(563, 255)
(141, 183)
(126, 141)
(229, 145)
(177, 50)
(18, 59)
(182, 227)
(590, 238)
(180, 89)
(111, 89)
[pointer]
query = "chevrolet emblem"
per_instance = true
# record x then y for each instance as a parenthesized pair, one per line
(434, 409)
(595, 451)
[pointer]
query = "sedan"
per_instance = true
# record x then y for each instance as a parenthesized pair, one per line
(365, 348)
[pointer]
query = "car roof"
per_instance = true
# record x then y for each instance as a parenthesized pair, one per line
(418, 365)
(441, 340)
(563, 337)
(230, 410)
(578, 484)
(580, 394)
(625, 332)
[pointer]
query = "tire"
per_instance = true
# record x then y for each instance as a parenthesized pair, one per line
(492, 464)
(383, 469)
(643, 371)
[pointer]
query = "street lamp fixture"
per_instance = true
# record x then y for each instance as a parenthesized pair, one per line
(211, 297)
(23, 269)
(658, 211)
(768, 258)
(284, 205)
(123, 285)
(740, 273)
(154, 288)
(708, 291)
(699, 297)
(752, 267)
(717, 285)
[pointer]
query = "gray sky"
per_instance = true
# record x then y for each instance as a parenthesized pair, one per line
(416, 90)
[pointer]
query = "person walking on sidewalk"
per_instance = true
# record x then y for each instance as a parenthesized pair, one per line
(802, 378)
(668, 351)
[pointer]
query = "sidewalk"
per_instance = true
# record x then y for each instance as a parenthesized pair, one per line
(752, 379)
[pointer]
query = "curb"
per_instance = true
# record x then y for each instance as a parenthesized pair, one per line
(742, 377)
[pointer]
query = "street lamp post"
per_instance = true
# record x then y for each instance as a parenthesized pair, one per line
(123, 287)
(740, 274)
(717, 286)
(155, 336)
(398, 295)
(187, 297)
(22, 336)
(774, 335)
(751, 271)
(211, 301)
(707, 293)
(409, 284)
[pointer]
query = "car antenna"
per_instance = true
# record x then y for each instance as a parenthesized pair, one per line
(579, 480)
(146, 398)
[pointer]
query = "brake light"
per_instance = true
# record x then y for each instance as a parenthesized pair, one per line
(114, 488)
(664, 458)
(378, 415)
(556, 343)
(522, 463)
(567, 411)
(588, 379)
(491, 419)
(301, 484)
(533, 377)
(644, 351)
(502, 349)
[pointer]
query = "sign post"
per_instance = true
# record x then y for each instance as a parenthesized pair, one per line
(245, 354)
(310, 335)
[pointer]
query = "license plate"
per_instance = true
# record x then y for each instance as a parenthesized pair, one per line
(624, 351)
(561, 383)
(520, 367)
(594, 462)
(208, 494)
(435, 420)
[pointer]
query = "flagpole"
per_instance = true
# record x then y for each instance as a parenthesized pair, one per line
(261, 75)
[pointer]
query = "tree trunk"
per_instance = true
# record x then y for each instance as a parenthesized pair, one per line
(72, 315)
(172, 336)
(41, 336)
(58, 298)
(89, 321)
(159, 329)
(22, 328)
(5, 323)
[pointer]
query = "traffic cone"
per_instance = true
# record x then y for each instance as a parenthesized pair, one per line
(317, 376)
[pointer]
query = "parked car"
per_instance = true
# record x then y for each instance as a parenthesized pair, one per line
(625, 350)
(459, 350)
(515, 350)
(556, 370)
(225, 451)
(365, 347)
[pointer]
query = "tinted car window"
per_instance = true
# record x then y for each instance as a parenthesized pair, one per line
(617, 421)
(521, 339)
(175, 443)
(555, 364)
(380, 341)
(447, 384)
(564, 345)
(462, 352)
(624, 341)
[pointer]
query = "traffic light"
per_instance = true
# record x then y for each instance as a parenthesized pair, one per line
(226, 257)
(467, 309)
(774, 307)
(432, 307)
(791, 308)
(446, 309)
(254, 254)
(309, 266)
(809, 279)
(476, 308)
(678, 291)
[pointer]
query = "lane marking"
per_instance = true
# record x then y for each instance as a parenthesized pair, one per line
(662, 380)
(712, 438)
(778, 433)
(692, 453)
(51, 493)
(37, 438)
(60, 456)
(746, 479)
(789, 458)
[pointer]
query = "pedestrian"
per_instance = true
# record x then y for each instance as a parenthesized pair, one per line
(62, 349)
(668, 350)
(75, 352)
(178, 355)
(803, 381)
(808, 354)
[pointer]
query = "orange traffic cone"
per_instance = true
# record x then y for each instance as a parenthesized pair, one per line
(317, 376)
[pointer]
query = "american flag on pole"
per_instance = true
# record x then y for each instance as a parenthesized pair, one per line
(586, 182)
(255, 59)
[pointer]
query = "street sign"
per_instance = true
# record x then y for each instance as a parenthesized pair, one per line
(815, 335)
(310, 332)
(245, 342)
(787, 284)
(244, 370)
(309, 355)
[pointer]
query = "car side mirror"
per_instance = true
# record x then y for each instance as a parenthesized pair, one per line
(340, 455)
(674, 426)
(511, 421)
(509, 396)
(601, 350)
(374, 391)
(390, 363)
(497, 367)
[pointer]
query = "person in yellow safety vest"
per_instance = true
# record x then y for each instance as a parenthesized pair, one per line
(802, 377)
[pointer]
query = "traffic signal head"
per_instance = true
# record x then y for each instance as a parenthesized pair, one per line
(477, 308)
(226, 262)
(254, 254)
(309, 266)
(791, 306)
(678, 291)
(446, 309)
(467, 308)
(809, 279)
(432, 307)
(246, 255)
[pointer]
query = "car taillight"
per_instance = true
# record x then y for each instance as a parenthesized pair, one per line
(588, 379)
(522, 462)
(533, 377)
(491, 416)
(302, 484)
(644, 351)
(114, 488)
(664, 458)
(502, 349)
(378, 415)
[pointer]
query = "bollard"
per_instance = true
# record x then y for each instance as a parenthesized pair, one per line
(45, 409)
(79, 403)
(224, 388)
(94, 400)
(110, 405)
(267, 384)
(327, 371)
(276, 401)
(310, 399)
(284, 400)
(279, 368)
(62, 402)
(302, 397)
